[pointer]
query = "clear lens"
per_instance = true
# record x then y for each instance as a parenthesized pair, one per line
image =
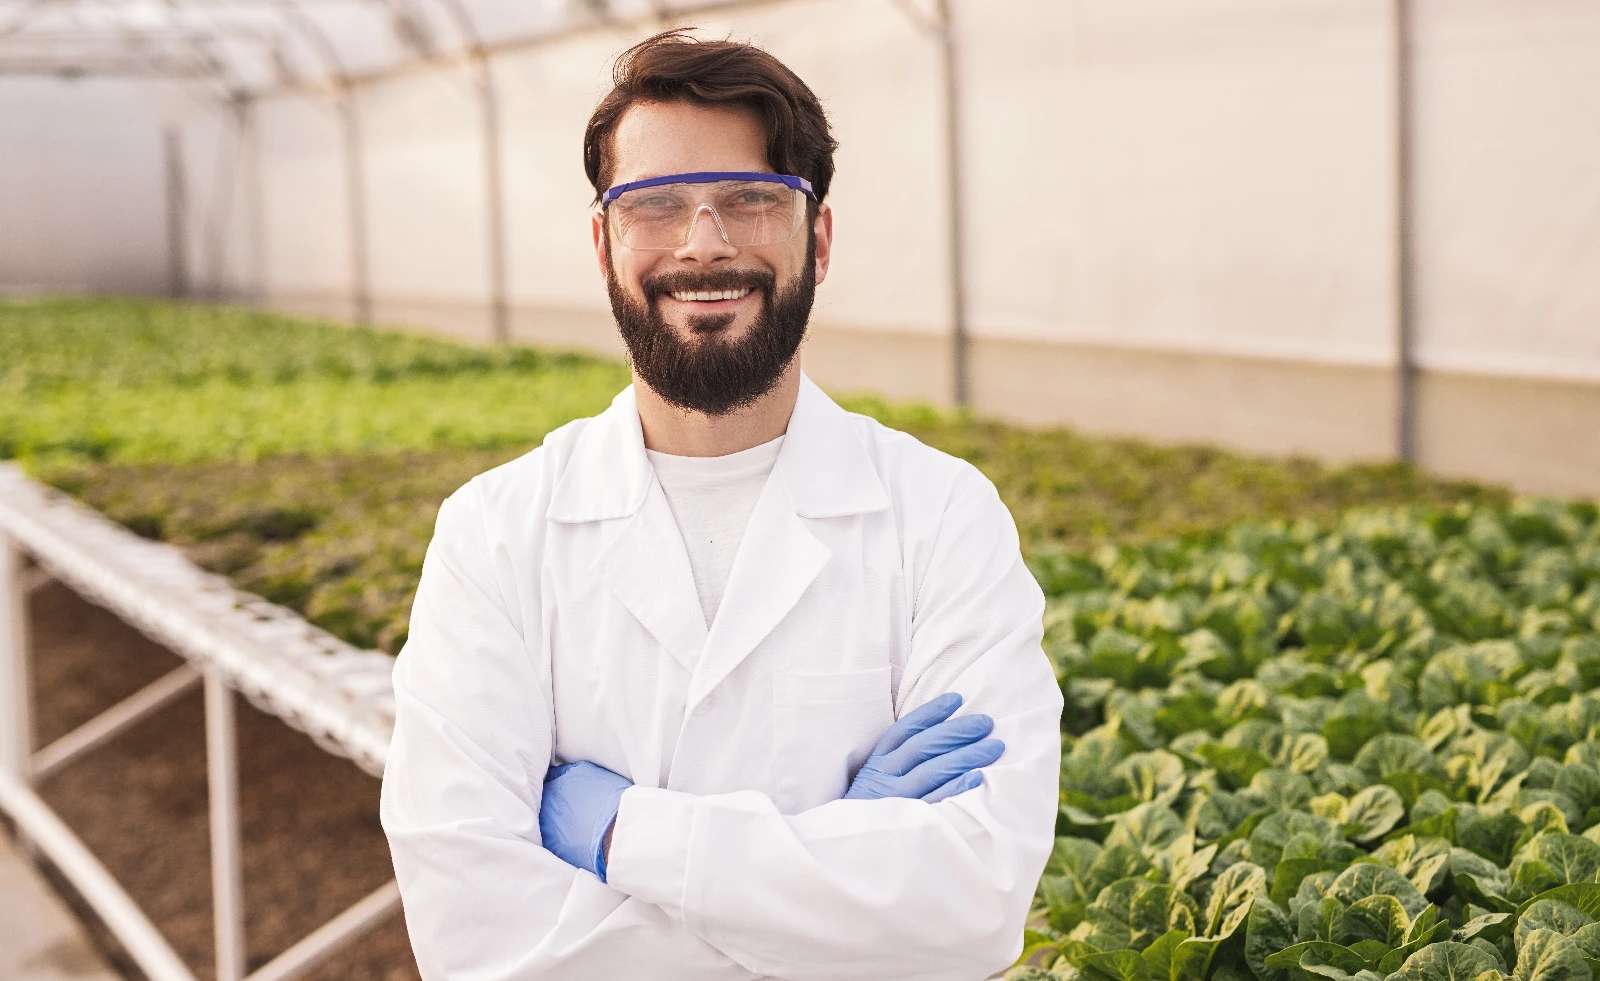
(746, 212)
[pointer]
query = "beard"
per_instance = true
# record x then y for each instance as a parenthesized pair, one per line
(706, 372)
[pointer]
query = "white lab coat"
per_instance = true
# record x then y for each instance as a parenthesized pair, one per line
(557, 620)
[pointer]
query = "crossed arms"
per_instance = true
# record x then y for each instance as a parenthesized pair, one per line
(716, 886)
(926, 755)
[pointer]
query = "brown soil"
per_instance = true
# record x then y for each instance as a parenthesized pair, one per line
(311, 840)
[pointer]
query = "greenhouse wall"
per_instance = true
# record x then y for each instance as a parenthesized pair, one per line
(82, 188)
(1181, 218)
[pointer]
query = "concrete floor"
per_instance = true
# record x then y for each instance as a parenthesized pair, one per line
(40, 940)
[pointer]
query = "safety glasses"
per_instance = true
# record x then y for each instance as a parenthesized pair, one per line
(749, 208)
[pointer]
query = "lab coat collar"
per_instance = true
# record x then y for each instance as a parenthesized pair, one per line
(608, 474)
(823, 464)
(823, 471)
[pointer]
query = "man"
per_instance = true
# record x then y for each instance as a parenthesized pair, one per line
(725, 682)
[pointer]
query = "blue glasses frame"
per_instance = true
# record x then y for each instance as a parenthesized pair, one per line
(707, 177)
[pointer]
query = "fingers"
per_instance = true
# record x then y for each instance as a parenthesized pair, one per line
(915, 721)
(940, 770)
(970, 780)
(936, 740)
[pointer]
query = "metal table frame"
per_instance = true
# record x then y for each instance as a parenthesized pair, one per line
(231, 642)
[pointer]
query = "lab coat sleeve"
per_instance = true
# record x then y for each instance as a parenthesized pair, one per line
(460, 801)
(886, 888)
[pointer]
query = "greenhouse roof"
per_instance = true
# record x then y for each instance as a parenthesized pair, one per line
(241, 48)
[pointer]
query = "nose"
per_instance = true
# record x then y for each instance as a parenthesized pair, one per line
(706, 243)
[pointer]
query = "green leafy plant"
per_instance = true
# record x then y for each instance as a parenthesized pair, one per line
(305, 459)
(1364, 750)
(1333, 723)
(131, 381)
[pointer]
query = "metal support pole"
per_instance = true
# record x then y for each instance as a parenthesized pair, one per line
(250, 120)
(961, 382)
(218, 219)
(333, 936)
(177, 214)
(227, 882)
(118, 718)
(1405, 272)
(494, 203)
(355, 205)
(98, 888)
(16, 693)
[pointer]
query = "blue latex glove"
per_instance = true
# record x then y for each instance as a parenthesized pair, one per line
(929, 755)
(580, 805)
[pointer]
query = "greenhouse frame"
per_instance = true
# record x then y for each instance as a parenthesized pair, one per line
(1354, 229)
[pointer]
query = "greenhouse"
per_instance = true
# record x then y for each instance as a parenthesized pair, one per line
(1275, 327)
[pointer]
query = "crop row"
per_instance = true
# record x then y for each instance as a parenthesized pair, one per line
(1352, 752)
(1343, 744)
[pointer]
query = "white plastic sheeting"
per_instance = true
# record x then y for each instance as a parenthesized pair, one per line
(1215, 178)
(68, 221)
(1166, 174)
(1508, 189)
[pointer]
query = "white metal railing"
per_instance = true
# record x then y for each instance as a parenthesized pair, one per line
(232, 641)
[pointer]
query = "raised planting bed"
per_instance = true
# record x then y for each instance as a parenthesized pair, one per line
(306, 460)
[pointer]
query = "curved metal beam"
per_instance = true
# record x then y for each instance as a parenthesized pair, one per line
(438, 59)
(205, 46)
(201, 42)
(23, 19)
(212, 23)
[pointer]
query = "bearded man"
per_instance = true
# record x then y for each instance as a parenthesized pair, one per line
(724, 682)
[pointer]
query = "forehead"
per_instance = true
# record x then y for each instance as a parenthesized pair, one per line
(657, 138)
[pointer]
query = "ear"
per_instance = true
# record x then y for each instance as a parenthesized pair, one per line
(597, 226)
(824, 229)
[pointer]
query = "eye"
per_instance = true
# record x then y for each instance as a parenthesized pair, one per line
(752, 200)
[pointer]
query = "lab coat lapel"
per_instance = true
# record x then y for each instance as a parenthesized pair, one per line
(642, 561)
(647, 569)
(777, 560)
(823, 471)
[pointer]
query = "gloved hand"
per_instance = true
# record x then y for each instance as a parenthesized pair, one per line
(580, 805)
(929, 755)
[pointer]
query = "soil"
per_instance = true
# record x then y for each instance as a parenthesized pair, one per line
(311, 840)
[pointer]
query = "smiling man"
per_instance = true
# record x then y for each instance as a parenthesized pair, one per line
(725, 682)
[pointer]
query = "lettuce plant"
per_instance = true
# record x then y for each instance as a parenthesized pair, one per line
(1360, 752)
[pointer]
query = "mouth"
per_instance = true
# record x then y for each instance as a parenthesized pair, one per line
(710, 297)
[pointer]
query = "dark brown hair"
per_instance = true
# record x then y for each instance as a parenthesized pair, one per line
(675, 67)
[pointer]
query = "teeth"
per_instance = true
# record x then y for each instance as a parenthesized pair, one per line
(705, 296)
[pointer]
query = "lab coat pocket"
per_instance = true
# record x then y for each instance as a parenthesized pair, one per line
(826, 724)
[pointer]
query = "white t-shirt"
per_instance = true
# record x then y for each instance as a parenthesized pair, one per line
(712, 498)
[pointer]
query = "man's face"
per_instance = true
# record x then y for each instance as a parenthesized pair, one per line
(710, 356)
